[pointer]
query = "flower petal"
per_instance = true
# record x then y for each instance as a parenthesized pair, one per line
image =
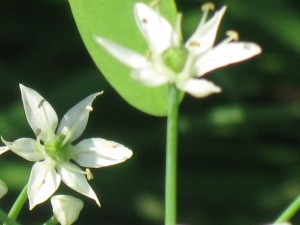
(39, 113)
(3, 149)
(226, 54)
(149, 77)
(74, 121)
(200, 88)
(66, 208)
(157, 31)
(124, 55)
(205, 34)
(27, 148)
(98, 152)
(43, 182)
(71, 176)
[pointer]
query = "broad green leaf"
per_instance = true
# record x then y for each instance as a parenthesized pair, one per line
(114, 20)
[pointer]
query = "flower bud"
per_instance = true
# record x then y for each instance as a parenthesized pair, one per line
(3, 189)
(66, 208)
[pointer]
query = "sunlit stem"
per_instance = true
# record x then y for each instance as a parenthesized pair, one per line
(51, 221)
(171, 156)
(289, 212)
(16, 208)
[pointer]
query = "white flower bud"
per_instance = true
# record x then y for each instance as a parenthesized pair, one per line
(3, 189)
(66, 208)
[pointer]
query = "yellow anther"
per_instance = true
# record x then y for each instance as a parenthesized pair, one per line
(154, 3)
(89, 174)
(233, 34)
(208, 6)
(148, 54)
(194, 44)
(89, 107)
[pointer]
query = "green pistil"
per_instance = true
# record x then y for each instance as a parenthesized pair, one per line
(175, 58)
(56, 150)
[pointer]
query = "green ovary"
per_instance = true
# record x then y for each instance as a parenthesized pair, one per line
(56, 150)
(175, 58)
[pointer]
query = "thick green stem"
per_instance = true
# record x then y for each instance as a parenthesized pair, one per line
(16, 208)
(289, 212)
(51, 221)
(4, 219)
(171, 157)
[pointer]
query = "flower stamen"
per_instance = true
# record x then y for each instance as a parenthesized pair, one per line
(154, 3)
(208, 6)
(89, 174)
(233, 35)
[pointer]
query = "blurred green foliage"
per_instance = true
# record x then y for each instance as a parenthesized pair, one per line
(239, 151)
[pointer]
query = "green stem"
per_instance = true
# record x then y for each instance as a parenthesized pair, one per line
(4, 219)
(289, 212)
(16, 208)
(171, 156)
(51, 221)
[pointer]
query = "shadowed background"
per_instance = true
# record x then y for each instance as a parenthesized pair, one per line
(239, 150)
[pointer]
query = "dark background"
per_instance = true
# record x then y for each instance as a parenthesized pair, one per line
(239, 153)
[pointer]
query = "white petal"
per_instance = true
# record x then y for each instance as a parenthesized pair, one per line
(200, 88)
(77, 181)
(43, 182)
(98, 152)
(156, 29)
(149, 77)
(124, 55)
(205, 34)
(3, 149)
(27, 148)
(74, 121)
(39, 113)
(226, 54)
(66, 208)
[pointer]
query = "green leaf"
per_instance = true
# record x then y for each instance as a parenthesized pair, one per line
(114, 20)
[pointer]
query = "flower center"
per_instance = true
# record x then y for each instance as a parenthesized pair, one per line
(175, 58)
(57, 150)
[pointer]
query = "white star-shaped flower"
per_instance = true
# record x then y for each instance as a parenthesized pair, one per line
(53, 152)
(170, 61)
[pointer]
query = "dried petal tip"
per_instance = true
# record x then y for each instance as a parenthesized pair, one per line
(233, 35)
(207, 7)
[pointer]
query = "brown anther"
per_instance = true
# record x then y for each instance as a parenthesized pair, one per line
(41, 103)
(233, 34)
(207, 7)
(144, 20)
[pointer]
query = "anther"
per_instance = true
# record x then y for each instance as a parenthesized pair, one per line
(89, 107)
(154, 3)
(41, 103)
(194, 44)
(207, 7)
(233, 35)
(89, 174)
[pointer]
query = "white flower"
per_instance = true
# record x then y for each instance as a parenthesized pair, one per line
(53, 152)
(66, 208)
(3, 189)
(170, 61)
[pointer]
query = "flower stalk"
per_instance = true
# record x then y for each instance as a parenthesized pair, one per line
(289, 212)
(171, 156)
(18, 205)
